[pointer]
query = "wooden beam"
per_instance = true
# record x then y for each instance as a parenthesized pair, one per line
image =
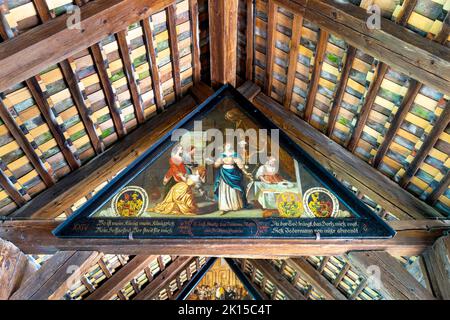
(195, 30)
(164, 278)
(395, 45)
(110, 95)
(117, 281)
(314, 83)
(358, 289)
(31, 52)
(367, 106)
(341, 274)
(395, 281)
(55, 129)
(297, 25)
(173, 40)
(402, 112)
(151, 55)
(406, 11)
(250, 39)
(442, 36)
(336, 159)
(51, 202)
(56, 276)
(272, 9)
(278, 280)
(434, 196)
(427, 145)
(125, 52)
(223, 40)
(337, 101)
(11, 190)
(15, 268)
(34, 236)
(25, 145)
(315, 278)
(437, 263)
(42, 10)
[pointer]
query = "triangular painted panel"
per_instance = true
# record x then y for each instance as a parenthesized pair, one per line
(197, 182)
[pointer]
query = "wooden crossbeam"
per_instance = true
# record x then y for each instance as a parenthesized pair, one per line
(53, 201)
(340, 92)
(56, 276)
(270, 45)
(406, 11)
(410, 53)
(367, 106)
(11, 190)
(278, 280)
(402, 112)
(314, 83)
(249, 41)
(26, 55)
(297, 25)
(124, 49)
(395, 281)
(433, 197)
(412, 238)
(154, 72)
(117, 281)
(164, 278)
(25, 145)
(427, 145)
(195, 31)
(173, 39)
(354, 170)
(110, 95)
(315, 278)
(50, 119)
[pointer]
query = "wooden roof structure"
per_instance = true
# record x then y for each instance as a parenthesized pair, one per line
(78, 103)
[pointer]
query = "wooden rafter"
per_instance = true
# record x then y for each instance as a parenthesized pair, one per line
(297, 25)
(195, 31)
(367, 106)
(249, 40)
(35, 236)
(124, 49)
(270, 45)
(337, 101)
(11, 190)
(433, 197)
(442, 36)
(406, 11)
(402, 112)
(428, 144)
(314, 83)
(173, 40)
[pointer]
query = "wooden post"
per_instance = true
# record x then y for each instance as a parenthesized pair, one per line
(223, 41)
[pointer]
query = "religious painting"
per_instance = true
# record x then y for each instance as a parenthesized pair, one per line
(225, 171)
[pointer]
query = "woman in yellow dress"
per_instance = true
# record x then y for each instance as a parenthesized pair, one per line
(179, 201)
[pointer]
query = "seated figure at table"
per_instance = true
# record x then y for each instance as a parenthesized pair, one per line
(268, 172)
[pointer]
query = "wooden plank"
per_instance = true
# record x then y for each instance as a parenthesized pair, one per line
(222, 15)
(34, 236)
(115, 283)
(173, 39)
(249, 90)
(26, 55)
(156, 83)
(130, 74)
(56, 276)
(164, 278)
(407, 9)
(50, 119)
(428, 144)
(11, 190)
(437, 262)
(53, 201)
(395, 45)
(395, 281)
(354, 170)
(195, 30)
(401, 114)
(315, 278)
(25, 145)
(270, 46)
(297, 26)
(314, 84)
(278, 280)
(434, 196)
(15, 268)
(110, 95)
(367, 106)
(340, 92)
(250, 39)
